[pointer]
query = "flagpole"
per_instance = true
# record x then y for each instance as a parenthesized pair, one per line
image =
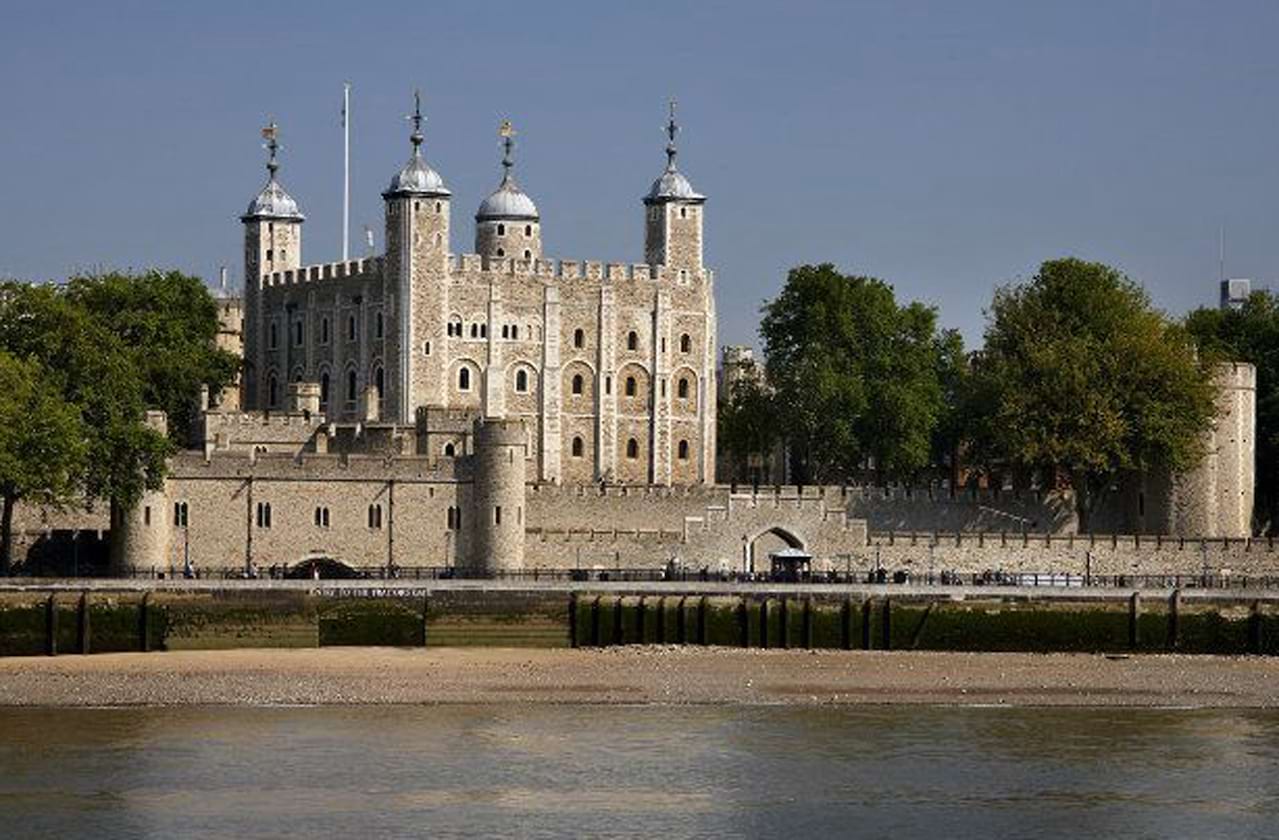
(346, 170)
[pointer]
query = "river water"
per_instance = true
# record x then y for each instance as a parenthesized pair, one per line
(547, 771)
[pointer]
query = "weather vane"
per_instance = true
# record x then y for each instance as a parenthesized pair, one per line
(507, 132)
(271, 134)
(671, 130)
(416, 118)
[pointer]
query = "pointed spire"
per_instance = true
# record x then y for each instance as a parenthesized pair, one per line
(271, 133)
(507, 132)
(416, 137)
(671, 130)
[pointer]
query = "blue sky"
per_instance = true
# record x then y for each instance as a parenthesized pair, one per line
(945, 147)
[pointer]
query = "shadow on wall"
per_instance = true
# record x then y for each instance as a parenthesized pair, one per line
(893, 509)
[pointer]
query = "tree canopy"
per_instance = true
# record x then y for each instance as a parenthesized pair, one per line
(1251, 334)
(43, 445)
(1082, 378)
(747, 421)
(855, 375)
(169, 322)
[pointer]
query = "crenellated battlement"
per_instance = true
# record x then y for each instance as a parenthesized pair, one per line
(361, 269)
(569, 270)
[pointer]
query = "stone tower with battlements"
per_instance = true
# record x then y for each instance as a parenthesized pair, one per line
(609, 366)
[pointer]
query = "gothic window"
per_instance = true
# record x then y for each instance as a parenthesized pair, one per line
(464, 379)
(321, 517)
(297, 333)
(682, 389)
(324, 390)
(577, 384)
(683, 450)
(521, 381)
(685, 343)
(632, 448)
(180, 512)
(579, 338)
(379, 381)
(378, 325)
(324, 330)
(632, 340)
(630, 386)
(272, 391)
(375, 517)
(449, 450)
(274, 340)
(577, 447)
(350, 386)
(350, 328)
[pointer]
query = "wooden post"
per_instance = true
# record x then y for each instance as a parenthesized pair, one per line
(51, 626)
(1254, 628)
(1174, 611)
(572, 620)
(144, 623)
(82, 623)
(426, 612)
(701, 621)
(783, 621)
(846, 623)
(887, 617)
(1134, 616)
(866, 618)
(808, 623)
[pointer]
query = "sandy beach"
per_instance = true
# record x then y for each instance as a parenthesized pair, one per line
(329, 676)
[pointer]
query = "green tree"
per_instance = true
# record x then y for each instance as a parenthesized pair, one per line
(855, 375)
(42, 445)
(1251, 334)
(170, 323)
(1082, 379)
(747, 421)
(94, 372)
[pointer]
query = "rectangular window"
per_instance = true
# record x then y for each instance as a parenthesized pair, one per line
(146, 515)
(497, 515)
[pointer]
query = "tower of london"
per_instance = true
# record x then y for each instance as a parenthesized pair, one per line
(610, 366)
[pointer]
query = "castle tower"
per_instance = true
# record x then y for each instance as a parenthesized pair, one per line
(673, 217)
(272, 242)
(497, 536)
(507, 225)
(142, 537)
(1215, 499)
(416, 268)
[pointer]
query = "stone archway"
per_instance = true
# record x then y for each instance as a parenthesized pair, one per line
(322, 567)
(765, 543)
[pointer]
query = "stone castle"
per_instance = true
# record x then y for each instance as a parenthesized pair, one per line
(501, 411)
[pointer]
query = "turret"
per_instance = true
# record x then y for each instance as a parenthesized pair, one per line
(142, 537)
(673, 215)
(507, 223)
(272, 242)
(497, 544)
(417, 248)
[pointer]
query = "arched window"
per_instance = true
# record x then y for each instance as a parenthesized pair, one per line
(379, 380)
(501, 252)
(685, 343)
(378, 325)
(630, 386)
(682, 389)
(464, 379)
(484, 330)
(577, 384)
(272, 391)
(521, 381)
(579, 338)
(275, 336)
(528, 231)
(528, 255)
(350, 386)
(515, 331)
(475, 330)
(632, 340)
(324, 330)
(297, 333)
(324, 390)
(501, 231)
(683, 450)
(632, 448)
(577, 447)
(180, 511)
(506, 331)
(375, 517)
(321, 517)
(350, 328)
(449, 450)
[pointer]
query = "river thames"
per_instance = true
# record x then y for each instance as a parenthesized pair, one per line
(587, 770)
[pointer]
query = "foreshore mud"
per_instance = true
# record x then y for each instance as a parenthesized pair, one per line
(636, 675)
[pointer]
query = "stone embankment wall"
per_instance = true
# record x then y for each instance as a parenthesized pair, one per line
(35, 621)
(1099, 554)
